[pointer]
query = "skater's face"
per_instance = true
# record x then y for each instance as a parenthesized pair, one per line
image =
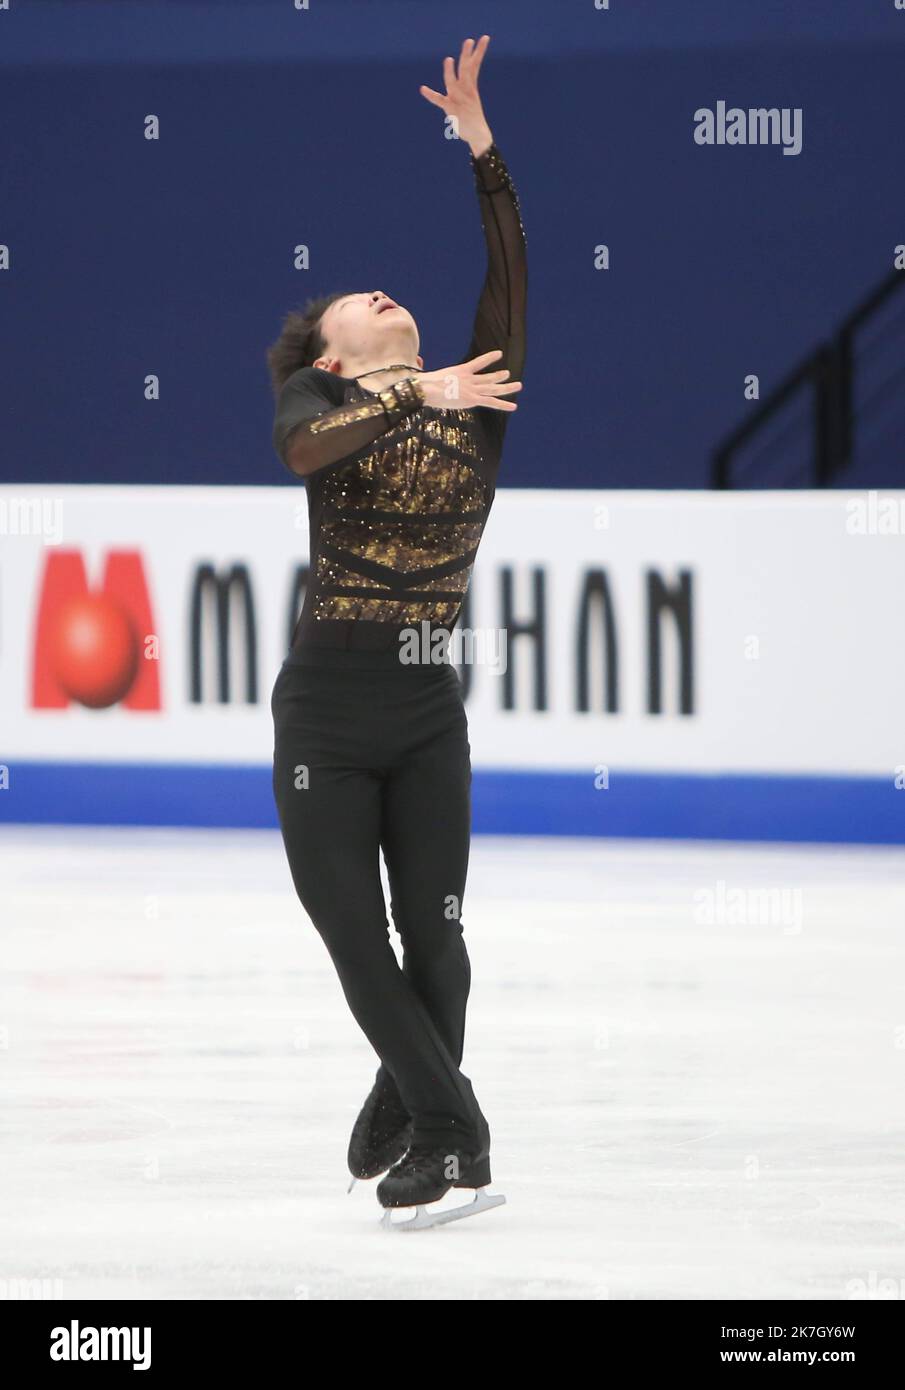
(367, 327)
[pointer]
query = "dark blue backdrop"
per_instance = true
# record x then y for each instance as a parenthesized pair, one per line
(173, 257)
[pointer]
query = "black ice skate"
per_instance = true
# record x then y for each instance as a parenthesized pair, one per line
(381, 1134)
(426, 1174)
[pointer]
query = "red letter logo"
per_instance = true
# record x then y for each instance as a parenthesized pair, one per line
(89, 644)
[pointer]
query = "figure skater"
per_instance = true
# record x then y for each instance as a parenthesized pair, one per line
(371, 748)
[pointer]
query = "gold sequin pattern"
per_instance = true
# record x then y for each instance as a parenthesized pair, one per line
(407, 475)
(346, 415)
(400, 613)
(455, 436)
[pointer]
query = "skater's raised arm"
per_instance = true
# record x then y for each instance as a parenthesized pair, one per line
(500, 318)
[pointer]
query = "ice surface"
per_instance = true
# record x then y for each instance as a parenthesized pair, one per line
(680, 1107)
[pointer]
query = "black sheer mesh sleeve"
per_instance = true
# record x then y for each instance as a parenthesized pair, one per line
(500, 317)
(313, 427)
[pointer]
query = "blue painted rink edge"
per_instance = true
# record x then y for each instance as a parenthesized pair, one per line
(646, 805)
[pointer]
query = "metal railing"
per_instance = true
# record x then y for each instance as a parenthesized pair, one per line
(830, 374)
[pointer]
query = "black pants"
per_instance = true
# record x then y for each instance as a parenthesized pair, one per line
(377, 757)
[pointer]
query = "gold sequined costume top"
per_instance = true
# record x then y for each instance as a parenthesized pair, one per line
(400, 493)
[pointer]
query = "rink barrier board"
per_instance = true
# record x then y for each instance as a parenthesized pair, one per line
(845, 810)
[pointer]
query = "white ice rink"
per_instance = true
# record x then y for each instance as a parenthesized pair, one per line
(681, 1107)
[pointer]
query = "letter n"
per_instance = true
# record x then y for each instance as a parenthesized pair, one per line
(596, 587)
(677, 601)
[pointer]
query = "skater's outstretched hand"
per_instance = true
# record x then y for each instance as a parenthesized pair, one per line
(461, 101)
(468, 385)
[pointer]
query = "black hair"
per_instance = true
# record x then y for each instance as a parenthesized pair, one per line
(301, 341)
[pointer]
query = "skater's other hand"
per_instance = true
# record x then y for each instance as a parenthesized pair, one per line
(467, 385)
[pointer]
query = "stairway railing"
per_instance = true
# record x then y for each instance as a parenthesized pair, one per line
(830, 374)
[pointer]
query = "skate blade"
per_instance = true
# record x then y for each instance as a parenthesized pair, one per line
(424, 1218)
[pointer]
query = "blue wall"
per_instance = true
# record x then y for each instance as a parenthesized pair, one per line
(174, 257)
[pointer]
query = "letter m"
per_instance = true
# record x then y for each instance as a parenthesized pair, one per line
(211, 619)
